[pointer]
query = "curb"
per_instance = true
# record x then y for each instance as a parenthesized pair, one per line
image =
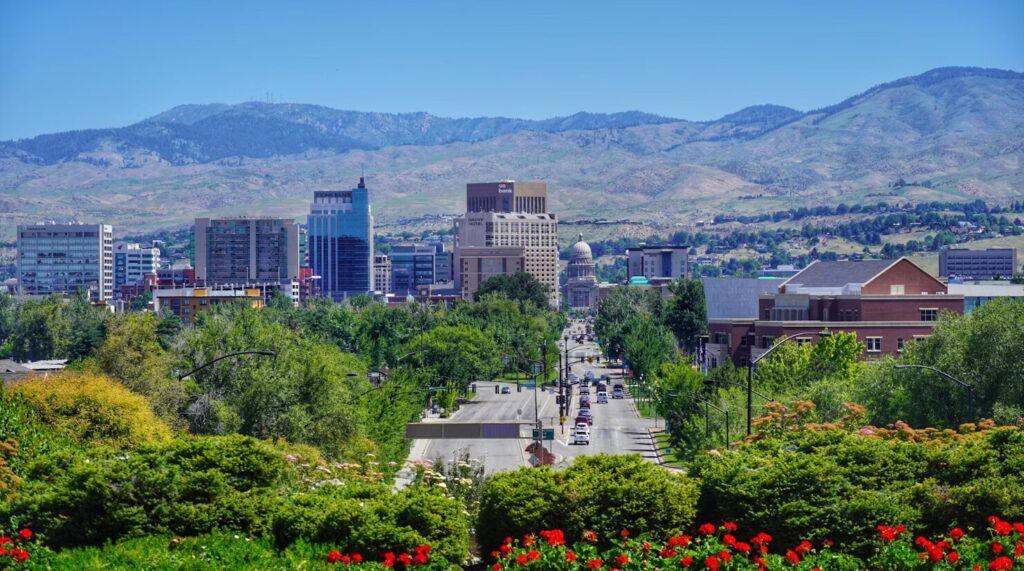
(654, 444)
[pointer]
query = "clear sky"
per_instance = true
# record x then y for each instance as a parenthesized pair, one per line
(73, 65)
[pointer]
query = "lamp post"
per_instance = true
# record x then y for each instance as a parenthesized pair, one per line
(222, 357)
(750, 370)
(970, 388)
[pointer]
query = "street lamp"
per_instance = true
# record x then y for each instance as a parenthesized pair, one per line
(970, 389)
(222, 357)
(750, 370)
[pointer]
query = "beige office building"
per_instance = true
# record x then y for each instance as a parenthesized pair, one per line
(246, 250)
(536, 235)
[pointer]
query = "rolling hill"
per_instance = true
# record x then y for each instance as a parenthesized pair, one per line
(947, 134)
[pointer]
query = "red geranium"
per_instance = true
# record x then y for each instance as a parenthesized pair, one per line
(1001, 564)
(712, 563)
(729, 526)
(707, 529)
(26, 534)
(521, 559)
(622, 559)
(686, 561)
(333, 556)
(595, 563)
(956, 533)
(570, 557)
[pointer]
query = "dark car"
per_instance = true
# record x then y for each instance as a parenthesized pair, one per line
(506, 391)
(584, 402)
(589, 420)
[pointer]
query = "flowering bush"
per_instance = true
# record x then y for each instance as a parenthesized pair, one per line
(1001, 548)
(13, 548)
(418, 559)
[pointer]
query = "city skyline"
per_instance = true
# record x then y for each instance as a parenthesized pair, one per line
(65, 65)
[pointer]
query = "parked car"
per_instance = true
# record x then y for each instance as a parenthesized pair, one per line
(581, 436)
(618, 393)
(602, 397)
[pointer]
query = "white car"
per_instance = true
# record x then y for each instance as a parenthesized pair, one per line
(581, 436)
(602, 398)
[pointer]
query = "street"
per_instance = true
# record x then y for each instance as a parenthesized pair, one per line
(617, 428)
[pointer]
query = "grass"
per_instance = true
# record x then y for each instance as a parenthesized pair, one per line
(662, 441)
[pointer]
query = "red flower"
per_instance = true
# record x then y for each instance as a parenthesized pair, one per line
(803, 548)
(686, 561)
(1018, 549)
(724, 555)
(389, 559)
(888, 533)
(404, 559)
(570, 557)
(622, 559)
(357, 558)
(935, 554)
(505, 548)
(1019, 527)
(5, 540)
(424, 549)
(827, 543)
(1001, 564)
(590, 535)
(761, 538)
(742, 547)
(707, 529)
(496, 567)
(3, 550)
(21, 556)
(953, 557)
(533, 555)
(624, 533)
(792, 557)
(729, 526)
(729, 540)
(997, 548)
(420, 558)
(528, 540)
(521, 559)
(679, 541)
(595, 563)
(508, 541)
(712, 563)
(667, 552)
(1002, 527)
(334, 556)
(956, 533)
(346, 559)
(647, 546)
(554, 537)
(26, 534)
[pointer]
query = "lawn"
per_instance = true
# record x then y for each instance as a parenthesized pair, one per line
(661, 440)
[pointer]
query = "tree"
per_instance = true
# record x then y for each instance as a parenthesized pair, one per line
(458, 354)
(41, 330)
(131, 353)
(86, 326)
(647, 346)
(677, 384)
(520, 286)
(615, 311)
(686, 313)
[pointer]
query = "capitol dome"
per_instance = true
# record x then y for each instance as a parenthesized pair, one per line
(581, 251)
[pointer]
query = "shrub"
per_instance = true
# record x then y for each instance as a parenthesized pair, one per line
(601, 493)
(187, 486)
(92, 408)
(369, 518)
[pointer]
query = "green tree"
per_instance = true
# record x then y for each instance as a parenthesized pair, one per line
(131, 353)
(86, 326)
(459, 355)
(41, 330)
(615, 311)
(686, 313)
(676, 384)
(520, 286)
(647, 346)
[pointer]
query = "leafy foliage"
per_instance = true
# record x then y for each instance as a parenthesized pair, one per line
(520, 286)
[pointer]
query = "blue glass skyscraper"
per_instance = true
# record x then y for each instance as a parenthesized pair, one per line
(340, 241)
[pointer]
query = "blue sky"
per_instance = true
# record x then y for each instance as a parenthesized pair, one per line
(75, 65)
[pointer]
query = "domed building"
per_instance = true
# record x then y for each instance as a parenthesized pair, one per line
(581, 287)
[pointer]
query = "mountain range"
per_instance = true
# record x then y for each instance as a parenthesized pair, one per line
(947, 134)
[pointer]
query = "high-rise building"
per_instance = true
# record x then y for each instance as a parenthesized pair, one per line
(340, 227)
(581, 285)
(132, 263)
(381, 273)
(246, 250)
(655, 263)
(63, 258)
(507, 196)
(507, 215)
(412, 265)
(478, 264)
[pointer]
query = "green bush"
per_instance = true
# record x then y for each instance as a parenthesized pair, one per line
(188, 486)
(369, 518)
(602, 493)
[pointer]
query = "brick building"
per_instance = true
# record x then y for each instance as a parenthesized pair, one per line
(886, 303)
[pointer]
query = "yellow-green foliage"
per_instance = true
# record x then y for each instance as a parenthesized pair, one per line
(92, 408)
(8, 479)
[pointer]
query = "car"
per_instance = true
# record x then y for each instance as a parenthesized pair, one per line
(589, 375)
(596, 382)
(506, 391)
(585, 411)
(602, 397)
(581, 436)
(588, 420)
(618, 393)
(572, 377)
(584, 389)
(584, 402)
(602, 388)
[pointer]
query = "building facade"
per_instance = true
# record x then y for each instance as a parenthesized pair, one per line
(382, 273)
(185, 303)
(63, 258)
(478, 264)
(886, 303)
(132, 263)
(536, 234)
(581, 284)
(985, 264)
(412, 265)
(507, 196)
(340, 241)
(977, 294)
(246, 250)
(657, 263)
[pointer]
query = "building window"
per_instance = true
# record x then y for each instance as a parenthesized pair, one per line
(896, 289)
(929, 314)
(874, 344)
(801, 341)
(899, 344)
(722, 338)
(743, 341)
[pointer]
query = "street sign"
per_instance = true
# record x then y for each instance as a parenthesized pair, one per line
(547, 433)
